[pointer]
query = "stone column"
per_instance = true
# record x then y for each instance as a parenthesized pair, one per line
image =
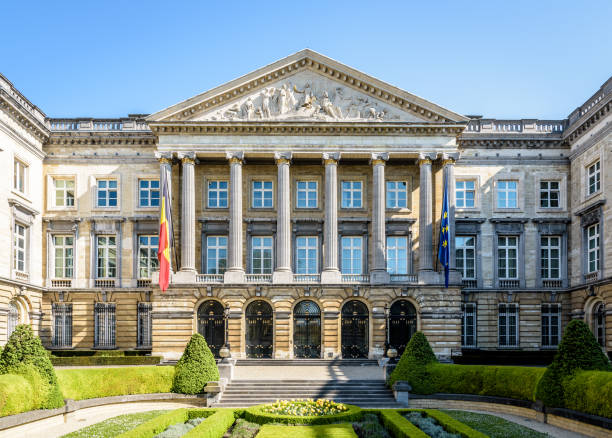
(235, 270)
(379, 274)
(283, 273)
(331, 273)
(188, 213)
(448, 163)
(425, 221)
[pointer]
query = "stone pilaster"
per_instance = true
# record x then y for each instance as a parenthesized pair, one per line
(235, 269)
(425, 221)
(379, 274)
(331, 273)
(187, 215)
(283, 272)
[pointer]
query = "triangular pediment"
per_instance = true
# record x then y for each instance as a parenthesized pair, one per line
(306, 87)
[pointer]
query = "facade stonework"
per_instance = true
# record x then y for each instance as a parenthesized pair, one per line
(306, 200)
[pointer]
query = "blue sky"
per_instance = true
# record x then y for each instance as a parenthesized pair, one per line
(504, 59)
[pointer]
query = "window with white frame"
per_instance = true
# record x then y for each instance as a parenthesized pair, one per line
(104, 325)
(593, 248)
(107, 193)
(550, 257)
(550, 194)
(307, 255)
(217, 194)
(262, 194)
(507, 257)
(106, 260)
(63, 249)
(551, 324)
(508, 325)
(307, 194)
(352, 192)
(352, 254)
(507, 192)
(397, 194)
(62, 325)
(20, 247)
(465, 256)
(20, 171)
(593, 178)
(599, 323)
(148, 193)
(465, 194)
(216, 254)
(397, 255)
(63, 192)
(261, 255)
(468, 325)
(147, 255)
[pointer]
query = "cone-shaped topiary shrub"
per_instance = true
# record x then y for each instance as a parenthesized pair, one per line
(24, 348)
(578, 350)
(412, 365)
(195, 368)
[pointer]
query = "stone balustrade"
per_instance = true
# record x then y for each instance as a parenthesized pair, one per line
(522, 126)
(133, 123)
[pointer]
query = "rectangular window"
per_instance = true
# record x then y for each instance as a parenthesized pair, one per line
(593, 248)
(307, 255)
(351, 194)
(550, 257)
(507, 194)
(397, 194)
(217, 194)
(465, 256)
(64, 192)
(148, 193)
(145, 325)
(465, 194)
(508, 325)
(397, 255)
(216, 254)
(549, 194)
(62, 325)
(106, 260)
(20, 170)
(594, 178)
(19, 248)
(107, 193)
(468, 325)
(551, 324)
(63, 247)
(352, 255)
(307, 194)
(507, 257)
(104, 325)
(147, 256)
(261, 255)
(262, 194)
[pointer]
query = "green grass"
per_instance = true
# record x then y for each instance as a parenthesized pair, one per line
(343, 430)
(114, 426)
(84, 383)
(493, 426)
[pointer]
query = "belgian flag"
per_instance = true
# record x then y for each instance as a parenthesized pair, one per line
(165, 232)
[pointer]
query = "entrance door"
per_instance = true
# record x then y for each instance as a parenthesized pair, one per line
(402, 325)
(259, 326)
(307, 330)
(355, 318)
(211, 325)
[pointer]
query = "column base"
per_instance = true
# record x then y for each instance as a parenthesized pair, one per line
(282, 277)
(332, 276)
(184, 277)
(236, 276)
(380, 277)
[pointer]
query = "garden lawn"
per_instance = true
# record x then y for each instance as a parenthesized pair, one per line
(343, 430)
(493, 426)
(114, 426)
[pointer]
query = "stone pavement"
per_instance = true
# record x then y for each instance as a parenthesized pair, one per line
(308, 373)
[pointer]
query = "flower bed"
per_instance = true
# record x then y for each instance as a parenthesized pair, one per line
(303, 412)
(305, 408)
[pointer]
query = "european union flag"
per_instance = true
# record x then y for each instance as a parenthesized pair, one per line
(444, 247)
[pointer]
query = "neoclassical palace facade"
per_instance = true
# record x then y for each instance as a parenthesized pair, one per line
(306, 203)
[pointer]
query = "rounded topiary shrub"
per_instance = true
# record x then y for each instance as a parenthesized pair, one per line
(412, 366)
(195, 368)
(578, 350)
(24, 348)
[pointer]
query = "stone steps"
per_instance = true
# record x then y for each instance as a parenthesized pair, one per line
(306, 362)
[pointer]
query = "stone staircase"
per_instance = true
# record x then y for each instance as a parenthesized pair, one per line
(363, 393)
(306, 362)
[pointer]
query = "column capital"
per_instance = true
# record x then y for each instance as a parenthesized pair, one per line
(164, 157)
(379, 158)
(450, 158)
(426, 158)
(331, 157)
(283, 157)
(187, 157)
(235, 157)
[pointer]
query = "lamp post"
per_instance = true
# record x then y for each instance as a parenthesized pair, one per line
(225, 352)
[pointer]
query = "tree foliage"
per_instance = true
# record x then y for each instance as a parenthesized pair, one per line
(412, 365)
(195, 368)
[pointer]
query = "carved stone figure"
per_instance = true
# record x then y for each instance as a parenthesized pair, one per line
(329, 108)
(249, 109)
(265, 102)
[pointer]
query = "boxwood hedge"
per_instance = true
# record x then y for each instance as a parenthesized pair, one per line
(256, 414)
(452, 425)
(159, 424)
(399, 426)
(214, 426)
(590, 392)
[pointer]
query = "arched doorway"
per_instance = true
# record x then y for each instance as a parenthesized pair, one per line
(211, 324)
(259, 329)
(599, 323)
(355, 318)
(13, 319)
(307, 330)
(402, 324)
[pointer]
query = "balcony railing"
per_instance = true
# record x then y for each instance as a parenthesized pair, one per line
(469, 283)
(143, 282)
(259, 278)
(508, 284)
(23, 276)
(591, 276)
(306, 278)
(404, 278)
(209, 278)
(61, 283)
(355, 278)
(103, 282)
(552, 283)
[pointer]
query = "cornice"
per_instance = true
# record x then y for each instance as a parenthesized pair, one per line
(507, 142)
(101, 138)
(9, 105)
(588, 121)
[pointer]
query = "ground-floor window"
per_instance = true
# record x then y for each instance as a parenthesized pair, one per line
(104, 325)
(145, 322)
(508, 325)
(551, 325)
(599, 323)
(13, 319)
(62, 325)
(468, 325)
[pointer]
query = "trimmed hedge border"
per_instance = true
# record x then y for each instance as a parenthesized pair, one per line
(214, 426)
(159, 424)
(255, 414)
(399, 426)
(105, 360)
(450, 424)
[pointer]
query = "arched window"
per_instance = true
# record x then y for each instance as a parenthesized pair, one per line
(13, 318)
(599, 323)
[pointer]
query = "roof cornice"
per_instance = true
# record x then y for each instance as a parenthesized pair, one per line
(588, 120)
(22, 116)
